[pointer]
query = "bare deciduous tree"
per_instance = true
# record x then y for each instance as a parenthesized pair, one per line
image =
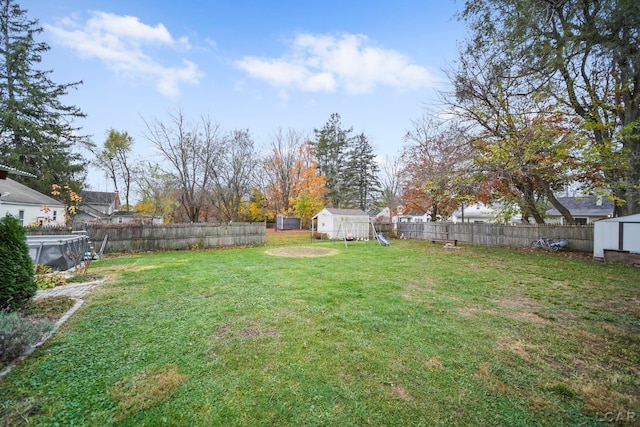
(192, 152)
(283, 168)
(233, 175)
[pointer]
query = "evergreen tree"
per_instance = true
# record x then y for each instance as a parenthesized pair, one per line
(36, 134)
(362, 172)
(17, 282)
(331, 150)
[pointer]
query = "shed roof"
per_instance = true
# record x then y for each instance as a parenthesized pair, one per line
(628, 218)
(346, 212)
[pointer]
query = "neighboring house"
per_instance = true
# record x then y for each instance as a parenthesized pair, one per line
(480, 213)
(96, 206)
(585, 209)
(125, 217)
(340, 223)
(412, 216)
(30, 206)
(104, 207)
(477, 213)
(381, 215)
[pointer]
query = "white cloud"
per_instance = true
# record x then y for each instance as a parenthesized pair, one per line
(121, 43)
(323, 63)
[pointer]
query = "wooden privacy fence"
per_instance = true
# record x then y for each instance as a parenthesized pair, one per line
(580, 237)
(149, 237)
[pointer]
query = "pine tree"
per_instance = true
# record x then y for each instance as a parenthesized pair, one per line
(363, 172)
(331, 149)
(36, 134)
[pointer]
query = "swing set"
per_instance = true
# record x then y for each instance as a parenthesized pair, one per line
(359, 231)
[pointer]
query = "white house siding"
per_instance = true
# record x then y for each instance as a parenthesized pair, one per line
(33, 215)
(28, 205)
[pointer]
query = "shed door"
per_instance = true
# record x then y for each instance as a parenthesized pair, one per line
(631, 237)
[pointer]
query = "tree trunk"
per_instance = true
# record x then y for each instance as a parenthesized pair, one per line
(556, 204)
(529, 202)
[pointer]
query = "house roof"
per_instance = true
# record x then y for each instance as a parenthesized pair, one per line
(98, 197)
(5, 170)
(413, 213)
(585, 206)
(346, 212)
(21, 194)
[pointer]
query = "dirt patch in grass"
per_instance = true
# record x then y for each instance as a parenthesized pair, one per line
(48, 308)
(523, 308)
(302, 252)
(18, 413)
(434, 364)
(418, 288)
(468, 312)
(517, 347)
(225, 332)
(145, 390)
(400, 392)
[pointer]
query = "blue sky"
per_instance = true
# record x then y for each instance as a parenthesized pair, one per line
(257, 65)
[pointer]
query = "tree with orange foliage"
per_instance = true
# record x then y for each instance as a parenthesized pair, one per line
(525, 146)
(310, 190)
(435, 165)
(69, 197)
(293, 185)
(542, 154)
(583, 55)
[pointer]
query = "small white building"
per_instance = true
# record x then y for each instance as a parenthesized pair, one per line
(29, 206)
(340, 223)
(617, 239)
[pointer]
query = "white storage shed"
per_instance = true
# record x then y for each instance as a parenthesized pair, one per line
(340, 223)
(617, 238)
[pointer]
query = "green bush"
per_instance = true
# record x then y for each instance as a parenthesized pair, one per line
(46, 278)
(17, 282)
(18, 333)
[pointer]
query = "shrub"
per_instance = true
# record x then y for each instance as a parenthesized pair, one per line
(17, 283)
(18, 333)
(46, 278)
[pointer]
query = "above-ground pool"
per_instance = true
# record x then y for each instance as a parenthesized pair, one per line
(60, 252)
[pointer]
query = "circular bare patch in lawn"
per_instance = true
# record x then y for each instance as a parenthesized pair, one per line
(302, 252)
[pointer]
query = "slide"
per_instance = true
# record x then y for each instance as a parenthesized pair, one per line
(383, 240)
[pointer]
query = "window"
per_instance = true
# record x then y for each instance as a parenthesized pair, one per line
(21, 217)
(119, 220)
(55, 215)
(581, 221)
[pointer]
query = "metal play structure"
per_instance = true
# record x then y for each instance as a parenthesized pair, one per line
(360, 231)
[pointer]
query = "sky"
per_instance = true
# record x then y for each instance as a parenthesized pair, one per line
(256, 65)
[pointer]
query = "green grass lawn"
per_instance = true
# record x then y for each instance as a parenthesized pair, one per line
(411, 334)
